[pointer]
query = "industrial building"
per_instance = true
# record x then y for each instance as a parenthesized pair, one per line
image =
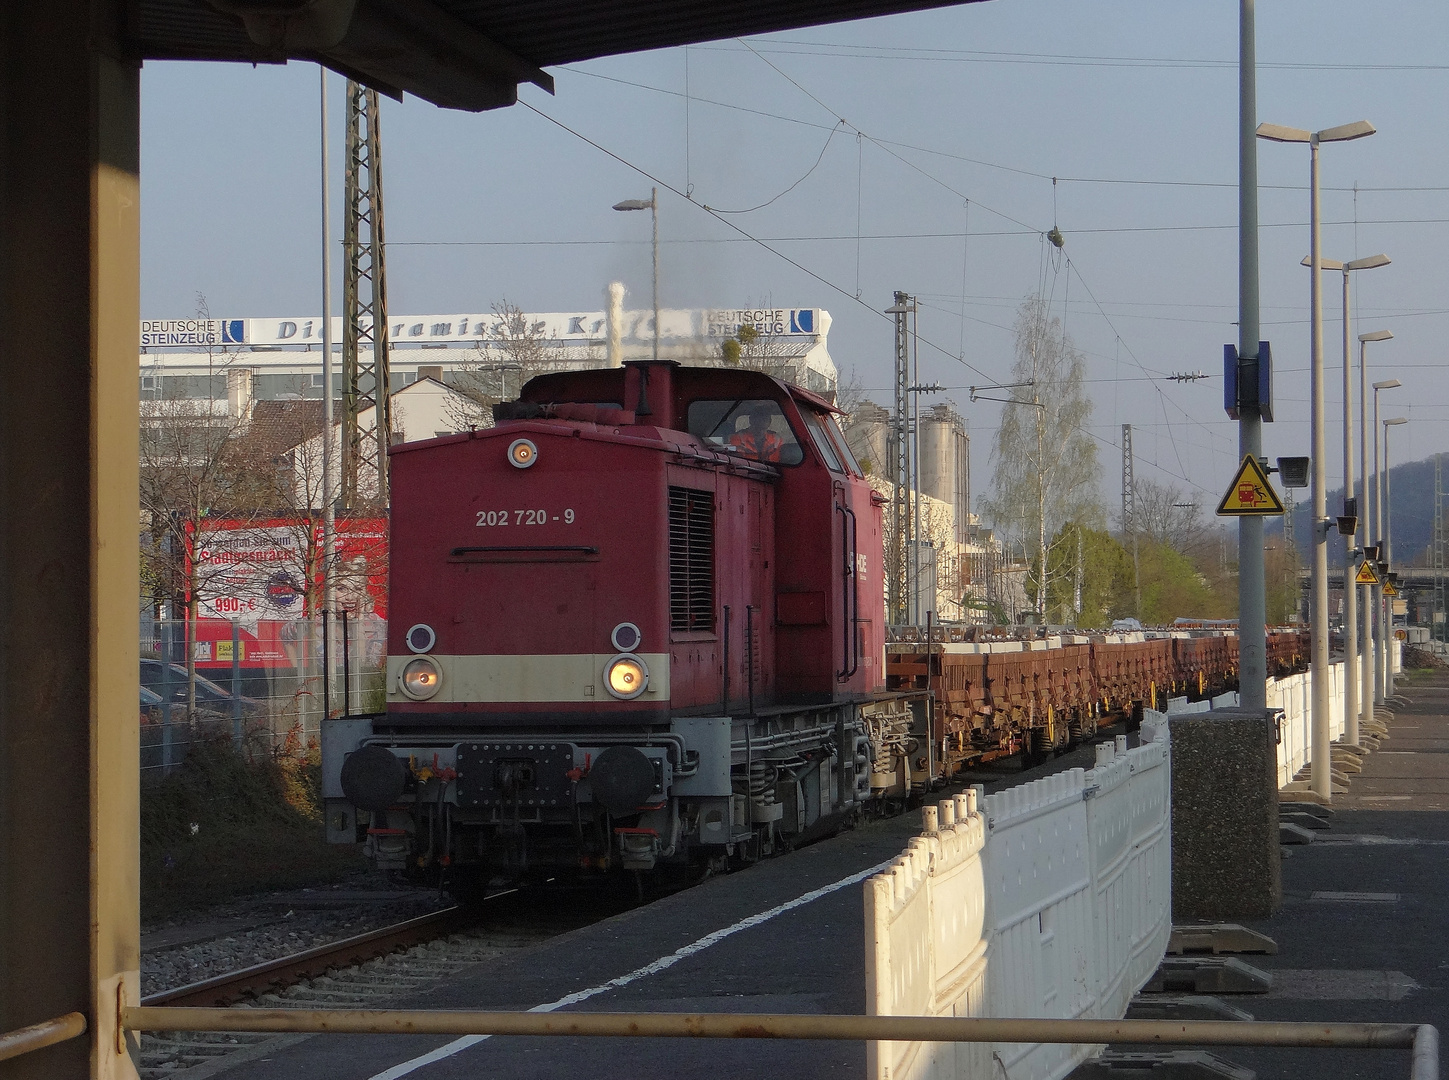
(235, 360)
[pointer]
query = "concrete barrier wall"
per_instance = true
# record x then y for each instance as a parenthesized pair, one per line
(1051, 900)
(925, 946)
(1294, 695)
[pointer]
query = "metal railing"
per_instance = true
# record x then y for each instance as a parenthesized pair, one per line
(1421, 1039)
(39, 1036)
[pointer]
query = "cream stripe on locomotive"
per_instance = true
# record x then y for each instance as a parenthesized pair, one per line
(545, 677)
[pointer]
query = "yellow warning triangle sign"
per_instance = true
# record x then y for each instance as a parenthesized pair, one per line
(1389, 589)
(1250, 494)
(1365, 575)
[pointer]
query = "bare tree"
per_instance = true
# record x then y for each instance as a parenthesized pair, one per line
(1164, 514)
(850, 394)
(778, 357)
(1046, 463)
(191, 474)
(515, 351)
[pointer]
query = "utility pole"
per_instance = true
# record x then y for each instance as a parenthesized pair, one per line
(898, 587)
(1290, 542)
(1129, 513)
(329, 497)
(1252, 586)
(364, 302)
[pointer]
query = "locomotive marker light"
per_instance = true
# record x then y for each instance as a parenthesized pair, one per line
(420, 678)
(522, 453)
(626, 676)
(421, 638)
(626, 637)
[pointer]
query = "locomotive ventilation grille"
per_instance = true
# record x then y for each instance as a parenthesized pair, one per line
(691, 559)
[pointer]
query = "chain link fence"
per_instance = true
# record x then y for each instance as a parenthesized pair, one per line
(267, 688)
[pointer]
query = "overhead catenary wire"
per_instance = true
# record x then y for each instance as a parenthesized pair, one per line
(1146, 181)
(723, 219)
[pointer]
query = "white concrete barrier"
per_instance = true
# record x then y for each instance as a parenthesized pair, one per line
(1053, 901)
(1294, 695)
(925, 950)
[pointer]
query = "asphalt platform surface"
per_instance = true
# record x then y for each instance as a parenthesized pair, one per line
(1363, 936)
(806, 959)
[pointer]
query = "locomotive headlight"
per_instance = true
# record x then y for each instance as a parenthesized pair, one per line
(421, 678)
(522, 453)
(626, 676)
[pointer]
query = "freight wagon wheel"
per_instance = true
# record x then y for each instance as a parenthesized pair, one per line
(1076, 730)
(1036, 748)
(1062, 740)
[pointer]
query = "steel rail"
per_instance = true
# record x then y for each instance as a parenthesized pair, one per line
(38, 1036)
(286, 970)
(1421, 1039)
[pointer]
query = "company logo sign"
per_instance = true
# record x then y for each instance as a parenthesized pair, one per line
(767, 322)
(479, 329)
(192, 332)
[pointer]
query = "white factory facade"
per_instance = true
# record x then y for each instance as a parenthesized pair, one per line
(237, 360)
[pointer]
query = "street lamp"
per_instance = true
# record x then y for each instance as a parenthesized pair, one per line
(1320, 776)
(1382, 655)
(652, 205)
(1370, 650)
(1388, 556)
(1351, 507)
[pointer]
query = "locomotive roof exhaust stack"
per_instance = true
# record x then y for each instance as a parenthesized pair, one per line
(614, 307)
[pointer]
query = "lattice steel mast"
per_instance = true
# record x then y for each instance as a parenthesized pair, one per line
(364, 304)
(1129, 512)
(897, 586)
(1440, 621)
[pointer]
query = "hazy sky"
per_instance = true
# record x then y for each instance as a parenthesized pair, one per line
(914, 153)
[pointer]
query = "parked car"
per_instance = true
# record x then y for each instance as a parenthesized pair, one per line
(209, 695)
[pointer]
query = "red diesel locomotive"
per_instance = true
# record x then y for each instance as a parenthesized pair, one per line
(637, 623)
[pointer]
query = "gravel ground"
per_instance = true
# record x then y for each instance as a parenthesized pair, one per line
(258, 928)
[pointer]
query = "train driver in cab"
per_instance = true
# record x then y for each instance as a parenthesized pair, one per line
(757, 440)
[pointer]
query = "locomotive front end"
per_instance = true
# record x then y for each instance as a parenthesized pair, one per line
(528, 730)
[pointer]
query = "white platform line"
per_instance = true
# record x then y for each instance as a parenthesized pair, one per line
(654, 967)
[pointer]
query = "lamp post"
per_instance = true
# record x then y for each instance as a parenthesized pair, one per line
(1321, 778)
(1388, 556)
(1366, 674)
(1381, 649)
(1351, 507)
(652, 205)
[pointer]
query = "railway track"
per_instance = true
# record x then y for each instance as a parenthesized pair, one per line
(274, 975)
(373, 968)
(363, 971)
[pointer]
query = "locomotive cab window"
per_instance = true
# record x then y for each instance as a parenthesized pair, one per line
(821, 441)
(840, 444)
(751, 427)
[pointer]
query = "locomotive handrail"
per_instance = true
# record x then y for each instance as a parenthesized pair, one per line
(520, 553)
(850, 551)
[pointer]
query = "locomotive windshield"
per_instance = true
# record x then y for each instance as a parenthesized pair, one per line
(751, 427)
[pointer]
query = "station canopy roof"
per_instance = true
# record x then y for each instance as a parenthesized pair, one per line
(462, 54)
